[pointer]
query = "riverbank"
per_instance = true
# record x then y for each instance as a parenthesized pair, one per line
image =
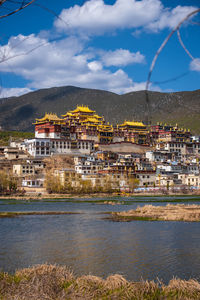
(58, 282)
(36, 196)
(169, 212)
(35, 213)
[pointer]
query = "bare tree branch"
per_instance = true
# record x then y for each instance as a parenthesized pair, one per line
(156, 57)
(182, 44)
(22, 5)
(51, 12)
(195, 23)
(2, 2)
(171, 79)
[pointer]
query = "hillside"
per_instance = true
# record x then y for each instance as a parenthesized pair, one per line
(18, 113)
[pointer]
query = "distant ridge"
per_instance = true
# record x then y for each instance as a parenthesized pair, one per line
(18, 113)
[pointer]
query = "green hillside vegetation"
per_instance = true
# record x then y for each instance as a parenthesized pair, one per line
(19, 113)
(6, 136)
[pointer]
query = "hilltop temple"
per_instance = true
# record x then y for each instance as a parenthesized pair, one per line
(82, 130)
(85, 124)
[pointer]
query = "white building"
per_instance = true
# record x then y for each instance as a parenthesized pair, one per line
(23, 169)
(45, 147)
(146, 178)
(190, 179)
(88, 166)
(33, 183)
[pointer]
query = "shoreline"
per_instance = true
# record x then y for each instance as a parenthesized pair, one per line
(58, 282)
(92, 195)
(12, 214)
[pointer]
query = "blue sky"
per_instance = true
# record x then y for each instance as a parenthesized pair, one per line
(98, 44)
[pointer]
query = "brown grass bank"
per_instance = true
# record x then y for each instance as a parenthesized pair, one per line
(169, 212)
(36, 213)
(57, 282)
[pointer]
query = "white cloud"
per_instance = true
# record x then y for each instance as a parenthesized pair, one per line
(65, 62)
(10, 92)
(170, 18)
(95, 66)
(96, 17)
(195, 65)
(122, 57)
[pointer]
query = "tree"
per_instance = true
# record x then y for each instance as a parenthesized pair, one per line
(133, 183)
(8, 183)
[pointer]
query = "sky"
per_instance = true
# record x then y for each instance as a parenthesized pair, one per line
(99, 44)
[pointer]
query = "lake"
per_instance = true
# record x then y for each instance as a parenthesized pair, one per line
(90, 244)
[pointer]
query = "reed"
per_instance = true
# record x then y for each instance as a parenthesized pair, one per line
(58, 282)
(169, 212)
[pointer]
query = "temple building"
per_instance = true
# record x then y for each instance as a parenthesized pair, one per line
(83, 123)
(169, 133)
(88, 125)
(135, 132)
(82, 130)
(48, 127)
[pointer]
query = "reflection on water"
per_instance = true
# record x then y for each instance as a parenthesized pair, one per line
(89, 244)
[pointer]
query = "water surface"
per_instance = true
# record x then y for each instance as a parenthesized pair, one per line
(90, 244)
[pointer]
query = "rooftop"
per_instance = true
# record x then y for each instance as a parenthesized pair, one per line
(50, 117)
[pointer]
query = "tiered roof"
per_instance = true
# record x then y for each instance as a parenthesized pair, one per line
(91, 120)
(79, 109)
(132, 123)
(50, 117)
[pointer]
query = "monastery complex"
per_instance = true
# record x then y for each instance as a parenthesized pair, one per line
(82, 131)
(120, 157)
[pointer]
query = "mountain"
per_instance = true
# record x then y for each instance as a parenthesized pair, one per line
(183, 108)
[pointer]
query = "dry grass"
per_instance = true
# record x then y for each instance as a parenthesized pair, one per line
(32, 213)
(48, 282)
(170, 212)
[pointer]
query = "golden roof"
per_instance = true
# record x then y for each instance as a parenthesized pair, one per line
(49, 117)
(97, 116)
(67, 114)
(91, 120)
(129, 123)
(82, 108)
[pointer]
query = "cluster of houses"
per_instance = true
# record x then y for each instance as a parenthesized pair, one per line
(131, 155)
